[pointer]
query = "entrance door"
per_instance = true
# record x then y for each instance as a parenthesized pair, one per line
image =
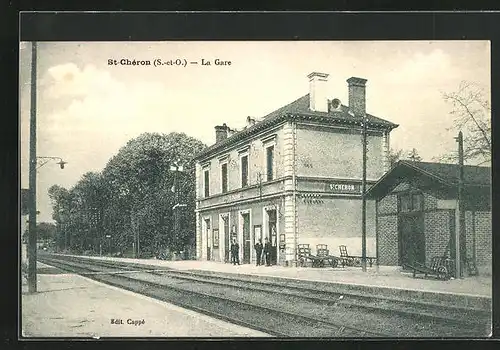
(411, 239)
(271, 214)
(225, 231)
(246, 238)
(209, 240)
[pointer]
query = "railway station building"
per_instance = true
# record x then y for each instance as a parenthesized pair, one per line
(416, 205)
(293, 176)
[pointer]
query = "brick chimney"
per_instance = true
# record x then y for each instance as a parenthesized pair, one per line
(357, 96)
(318, 100)
(220, 133)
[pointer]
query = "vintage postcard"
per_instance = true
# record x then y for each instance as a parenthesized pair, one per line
(226, 189)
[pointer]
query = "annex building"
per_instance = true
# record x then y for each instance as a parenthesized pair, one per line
(293, 176)
(417, 213)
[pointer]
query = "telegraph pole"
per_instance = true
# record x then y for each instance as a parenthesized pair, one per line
(32, 278)
(363, 198)
(460, 256)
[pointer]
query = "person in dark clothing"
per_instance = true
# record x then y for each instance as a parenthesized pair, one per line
(258, 250)
(267, 252)
(235, 252)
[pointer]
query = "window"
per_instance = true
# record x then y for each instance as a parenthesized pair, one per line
(206, 183)
(409, 202)
(269, 162)
(417, 202)
(223, 171)
(244, 171)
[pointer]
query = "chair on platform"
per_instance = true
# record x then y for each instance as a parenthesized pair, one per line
(352, 260)
(304, 252)
(323, 255)
(305, 257)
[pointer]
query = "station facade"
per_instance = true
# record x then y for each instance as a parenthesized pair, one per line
(293, 177)
(417, 213)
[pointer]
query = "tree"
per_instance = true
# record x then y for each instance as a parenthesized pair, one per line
(139, 180)
(414, 156)
(60, 198)
(400, 154)
(129, 204)
(394, 156)
(46, 231)
(472, 115)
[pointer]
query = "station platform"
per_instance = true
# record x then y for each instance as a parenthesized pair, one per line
(69, 305)
(382, 277)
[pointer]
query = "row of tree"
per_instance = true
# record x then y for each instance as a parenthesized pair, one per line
(128, 207)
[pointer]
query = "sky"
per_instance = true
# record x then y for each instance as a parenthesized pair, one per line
(87, 109)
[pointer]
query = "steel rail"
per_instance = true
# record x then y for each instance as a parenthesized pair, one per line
(400, 307)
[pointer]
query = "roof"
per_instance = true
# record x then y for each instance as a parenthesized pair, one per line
(444, 174)
(299, 109)
(301, 106)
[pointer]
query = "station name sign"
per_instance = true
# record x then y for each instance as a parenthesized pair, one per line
(343, 187)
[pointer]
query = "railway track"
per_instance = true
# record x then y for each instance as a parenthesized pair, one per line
(271, 321)
(283, 309)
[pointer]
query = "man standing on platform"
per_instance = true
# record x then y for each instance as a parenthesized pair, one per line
(267, 252)
(258, 250)
(235, 252)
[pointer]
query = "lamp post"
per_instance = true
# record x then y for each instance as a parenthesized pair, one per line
(32, 283)
(45, 160)
(109, 244)
(33, 166)
(176, 167)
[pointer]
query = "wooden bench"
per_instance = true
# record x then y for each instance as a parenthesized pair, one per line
(440, 267)
(353, 260)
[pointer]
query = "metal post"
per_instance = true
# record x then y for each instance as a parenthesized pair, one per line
(32, 278)
(363, 197)
(177, 205)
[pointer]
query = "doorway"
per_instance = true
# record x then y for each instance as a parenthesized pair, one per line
(225, 232)
(246, 238)
(411, 238)
(209, 240)
(272, 235)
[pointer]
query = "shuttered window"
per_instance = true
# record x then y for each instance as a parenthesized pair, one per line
(244, 171)
(224, 177)
(206, 183)
(270, 162)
